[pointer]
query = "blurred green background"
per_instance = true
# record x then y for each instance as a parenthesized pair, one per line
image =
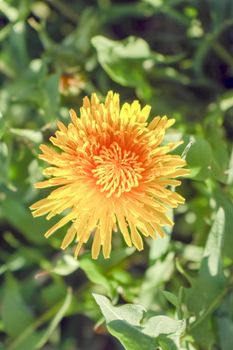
(177, 56)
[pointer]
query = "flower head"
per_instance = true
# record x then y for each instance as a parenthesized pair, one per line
(112, 173)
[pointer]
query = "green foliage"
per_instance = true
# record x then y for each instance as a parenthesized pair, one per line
(175, 55)
(130, 324)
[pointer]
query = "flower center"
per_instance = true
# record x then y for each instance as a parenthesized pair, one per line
(117, 170)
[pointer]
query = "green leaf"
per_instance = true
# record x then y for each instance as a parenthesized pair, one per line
(31, 135)
(208, 288)
(230, 171)
(214, 244)
(199, 159)
(4, 162)
(20, 217)
(131, 313)
(159, 247)
(172, 298)
(165, 326)
(125, 323)
(210, 280)
(158, 273)
(226, 101)
(222, 199)
(225, 330)
(65, 265)
(130, 337)
(95, 274)
(51, 97)
(224, 321)
(2, 125)
(122, 60)
(122, 322)
(31, 338)
(16, 314)
(56, 319)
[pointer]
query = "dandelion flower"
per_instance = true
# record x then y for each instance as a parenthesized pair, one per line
(112, 174)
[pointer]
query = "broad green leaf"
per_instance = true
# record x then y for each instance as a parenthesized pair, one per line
(123, 322)
(20, 218)
(224, 320)
(199, 159)
(225, 331)
(130, 313)
(165, 326)
(122, 60)
(16, 314)
(131, 337)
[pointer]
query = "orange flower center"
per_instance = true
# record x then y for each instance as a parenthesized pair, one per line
(117, 170)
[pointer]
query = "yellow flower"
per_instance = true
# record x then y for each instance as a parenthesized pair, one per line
(112, 174)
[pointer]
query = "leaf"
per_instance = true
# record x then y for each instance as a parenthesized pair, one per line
(225, 330)
(31, 338)
(214, 245)
(130, 337)
(65, 265)
(208, 288)
(223, 200)
(162, 325)
(158, 273)
(16, 315)
(4, 162)
(2, 125)
(55, 321)
(117, 256)
(210, 280)
(122, 322)
(159, 247)
(122, 60)
(131, 313)
(31, 135)
(226, 101)
(51, 97)
(172, 298)
(94, 273)
(125, 323)
(230, 171)
(199, 158)
(19, 217)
